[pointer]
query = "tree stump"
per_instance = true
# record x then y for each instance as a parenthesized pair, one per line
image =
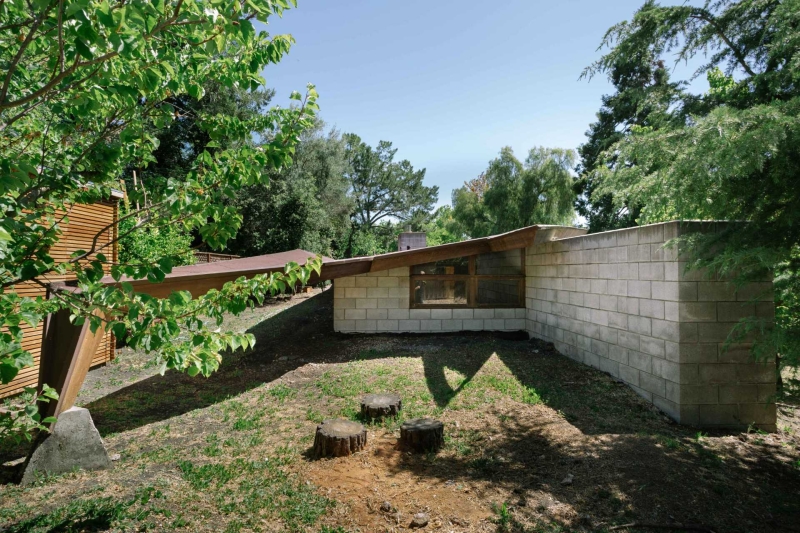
(380, 405)
(422, 434)
(337, 438)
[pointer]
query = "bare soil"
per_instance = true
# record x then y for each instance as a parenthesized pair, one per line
(533, 442)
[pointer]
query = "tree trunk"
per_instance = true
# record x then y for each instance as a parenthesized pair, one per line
(337, 438)
(422, 434)
(380, 405)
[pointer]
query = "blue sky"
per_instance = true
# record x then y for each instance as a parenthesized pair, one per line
(450, 82)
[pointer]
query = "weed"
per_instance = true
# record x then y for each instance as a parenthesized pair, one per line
(503, 518)
(281, 392)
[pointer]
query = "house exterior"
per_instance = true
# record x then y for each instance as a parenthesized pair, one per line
(619, 301)
(84, 221)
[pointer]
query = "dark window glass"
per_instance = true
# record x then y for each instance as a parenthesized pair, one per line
(459, 266)
(440, 292)
(508, 263)
(498, 292)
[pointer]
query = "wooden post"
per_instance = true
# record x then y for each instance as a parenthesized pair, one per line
(67, 352)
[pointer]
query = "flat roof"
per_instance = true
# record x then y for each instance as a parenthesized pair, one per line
(205, 276)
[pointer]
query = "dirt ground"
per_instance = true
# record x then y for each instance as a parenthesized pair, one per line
(533, 443)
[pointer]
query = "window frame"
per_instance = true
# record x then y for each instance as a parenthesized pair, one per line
(471, 279)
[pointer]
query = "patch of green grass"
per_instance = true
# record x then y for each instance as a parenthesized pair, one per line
(281, 392)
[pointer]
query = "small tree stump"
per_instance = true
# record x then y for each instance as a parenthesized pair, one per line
(380, 405)
(422, 434)
(337, 438)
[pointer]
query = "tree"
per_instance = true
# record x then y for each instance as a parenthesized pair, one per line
(643, 98)
(512, 195)
(442, 228)
(303, 206)
(84, 88)
(736, 156)
(381, 188)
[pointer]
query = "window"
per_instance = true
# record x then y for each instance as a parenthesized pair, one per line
(495, 279)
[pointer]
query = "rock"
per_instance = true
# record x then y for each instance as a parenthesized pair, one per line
(567, 480)
(420, 520)
(386, 507)
(115, 457)
(73, 443)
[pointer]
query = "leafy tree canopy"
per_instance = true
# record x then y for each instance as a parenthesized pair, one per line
(85, 87)
(383, 190)
(511, 195)
(735, 153)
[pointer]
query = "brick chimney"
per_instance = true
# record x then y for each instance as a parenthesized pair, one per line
(411, 240)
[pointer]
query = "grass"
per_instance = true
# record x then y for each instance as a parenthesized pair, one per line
(231, 453)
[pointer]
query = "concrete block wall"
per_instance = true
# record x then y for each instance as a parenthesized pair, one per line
(379, 302)
(620, 301)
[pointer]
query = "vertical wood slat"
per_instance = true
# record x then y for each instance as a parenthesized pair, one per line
(77, 234)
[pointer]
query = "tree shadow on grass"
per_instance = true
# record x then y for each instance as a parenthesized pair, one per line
(284, 342)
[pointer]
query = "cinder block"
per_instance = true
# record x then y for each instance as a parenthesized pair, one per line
(477, 325)
(338, 314)
(765, 416)
(494, 324)
(699, 394)
(378, 292)
(698, 353)
(755, 291)
(651, 308)
(344, 326)
(715, 291)
(735, 311)
(398, 314)
(671, 311)
(669, 331)
(667, 370)
(366, 282)
(717, 373)
(388, 325)
(719, 415)
(462, 313)
(671, 271)
(665, 290)
(338, 292)
(398, 292)
(629, 340)
(455, 325)
(767, 393)
(629, 375)
(420, 314)
(689, 332)
(643, 393)
(735, 352)
(651, 233)
(618, 287)
(640, 361)
(755, 373)
(591, 301)
(627, 237)
(629, 306)
(486, 313)
(441, 314)
(608, 303)
(697, 311)
(618, 320)
(600, 348)
(599, 286)
(713, 331)
(408, 325)
(345, 303)
(366, 303)
(651, 271)
(401, 272)
(673, 352)
(652, 346)
(505, 313)
(639, 289)
(389, 282)
(349, 281)
(672, 409)
(640, 324)
(738, 393)
(628, 271)
(430, 325)
(513, 324)
(366, 325)
(608, 271)
(355, 314)
(377, 314)
(355, 292)
(610, 366)
(653, 384)
(378, 274)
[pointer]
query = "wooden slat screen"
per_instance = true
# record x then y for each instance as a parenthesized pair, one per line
(83, 224)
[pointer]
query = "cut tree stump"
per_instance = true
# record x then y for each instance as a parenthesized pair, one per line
(337, 438)
(380, 405)
(422, 434)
